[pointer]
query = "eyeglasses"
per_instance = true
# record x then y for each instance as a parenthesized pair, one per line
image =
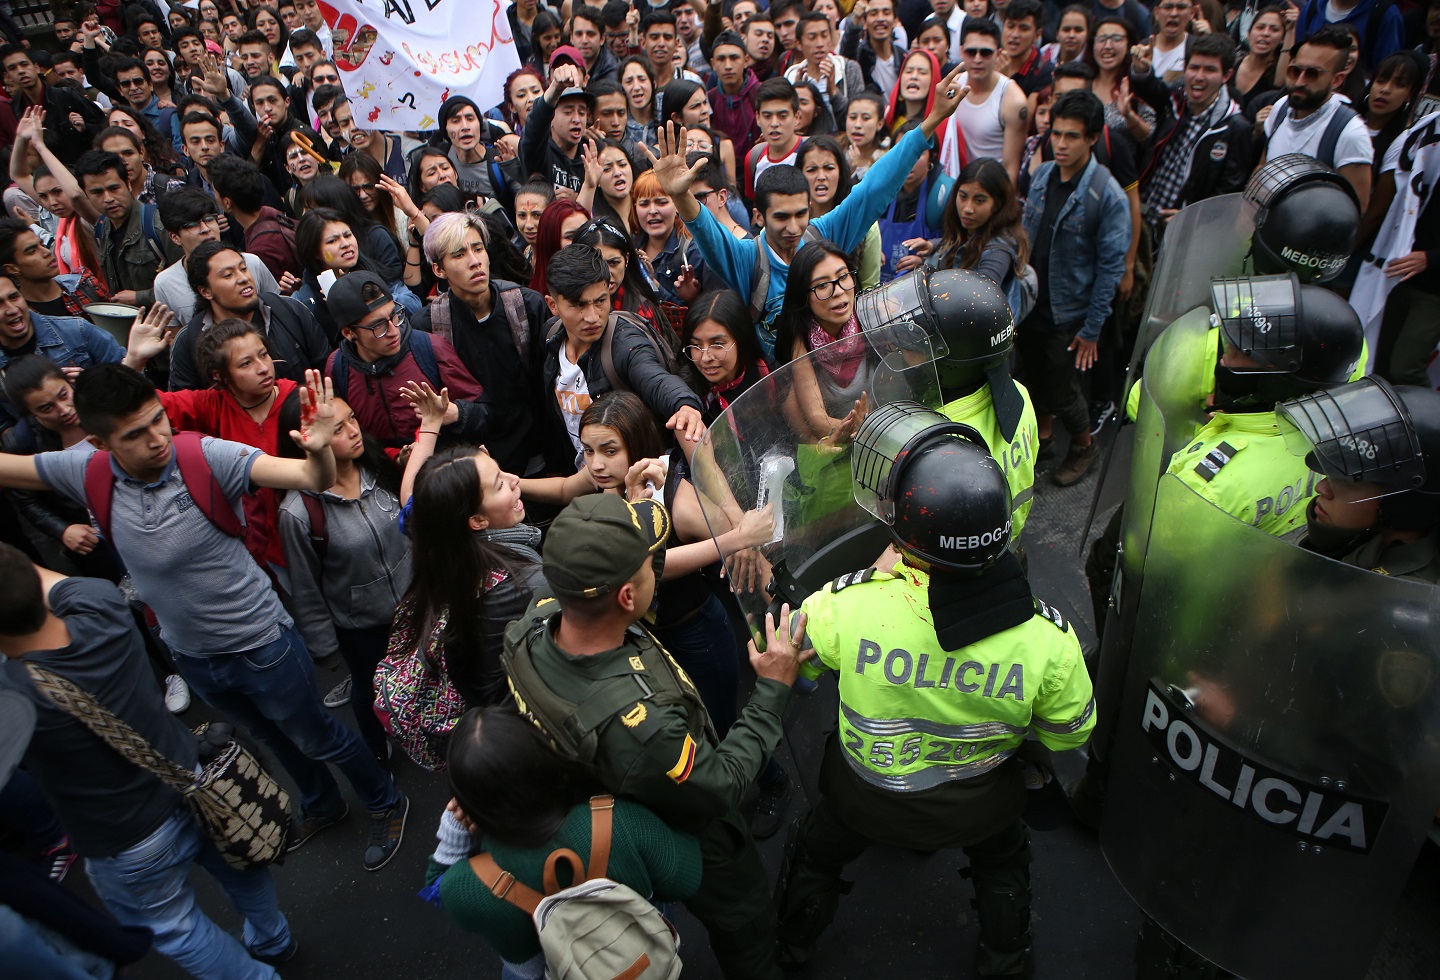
(828, 288)
(132, 83)
(1311, 72)
(209, 219)
(695, 351)
(1111, 38)
(617, 35)
(395, 319)
(701, 195)
(979, 52)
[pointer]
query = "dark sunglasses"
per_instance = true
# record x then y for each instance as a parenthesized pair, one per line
(1310, 72)
(979, 52)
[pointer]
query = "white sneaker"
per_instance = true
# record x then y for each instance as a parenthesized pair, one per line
(339, 695)
(177, 694)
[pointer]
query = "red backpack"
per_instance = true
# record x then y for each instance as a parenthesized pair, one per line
(200, 482)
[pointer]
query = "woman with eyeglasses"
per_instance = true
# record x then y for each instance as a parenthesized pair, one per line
(609, 180)
(1110, 57)
(325, 241)
(364, 175)
(631, 289)
(719, 339)
(1262, 68)
(819, 312)
(349, 561)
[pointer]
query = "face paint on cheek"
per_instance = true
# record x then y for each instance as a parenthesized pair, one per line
(329, 254)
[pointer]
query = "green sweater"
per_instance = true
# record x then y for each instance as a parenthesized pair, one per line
(659, 863)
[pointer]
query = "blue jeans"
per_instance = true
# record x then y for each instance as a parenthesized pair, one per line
(146, 885)
(31, 950)
(271, 691)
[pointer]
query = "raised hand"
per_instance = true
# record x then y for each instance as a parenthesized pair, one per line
(317, 414)
(398, 195)
(590, 158)
(432, 408)
(1142, 55)
(783, 653)
(670, 169)
(948, 95)
(151, 333)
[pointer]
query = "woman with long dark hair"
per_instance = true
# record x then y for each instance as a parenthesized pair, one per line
(827, 170)
(476, 563)
(526, 802)
(159, 150)
(719, 339)
(325, 240)
(430, 167)
(363, 173)
(685, 102)
(349, 561)
(162, 77)
(982, 230)
(609, 182)
(814, 117)
(819, 311)
(1260, 71)
(267, 21)
(522, 87)
(381, 246)
(1125, 114)
(545, 37)
(638, 81)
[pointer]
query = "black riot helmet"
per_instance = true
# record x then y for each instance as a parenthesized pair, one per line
(973, 330)
(1299, 338)
(934, 482)
(1306, 219)
(1371, 433)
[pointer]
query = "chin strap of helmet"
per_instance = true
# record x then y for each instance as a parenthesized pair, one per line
(966, 608)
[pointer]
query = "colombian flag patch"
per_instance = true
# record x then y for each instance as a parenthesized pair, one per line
(681, 770)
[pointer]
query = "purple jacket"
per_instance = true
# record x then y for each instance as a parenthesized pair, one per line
(734, 115)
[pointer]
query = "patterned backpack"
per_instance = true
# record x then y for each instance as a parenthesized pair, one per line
(417, 703)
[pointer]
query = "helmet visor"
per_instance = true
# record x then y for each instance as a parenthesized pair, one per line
(886, 437)
(1356, 433)
(1258, 316)
(900, 323)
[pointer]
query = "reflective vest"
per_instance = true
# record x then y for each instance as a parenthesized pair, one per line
(1240, 463)
(914, 716)
(1016, 457)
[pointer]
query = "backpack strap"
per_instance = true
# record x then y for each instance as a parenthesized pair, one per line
(513, 301)
(502, 884)
(424, 352)
(607, 354)
(147, 223)
(1092, 208)
(440, 322)
(338, 371)
(202, 486)
(759, 280)
(315, 510)
(99, 489)
(1325, 152)
(577, 868)
(602, 824)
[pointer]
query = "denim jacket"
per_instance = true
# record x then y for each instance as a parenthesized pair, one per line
(68, 341)
(1084, 274)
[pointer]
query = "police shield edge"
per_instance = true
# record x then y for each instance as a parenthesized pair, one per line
(1274, 761)
(764, 450)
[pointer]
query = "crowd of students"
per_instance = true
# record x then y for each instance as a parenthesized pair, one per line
(401, 351)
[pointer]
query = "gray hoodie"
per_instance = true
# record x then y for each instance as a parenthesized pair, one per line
(366, 568)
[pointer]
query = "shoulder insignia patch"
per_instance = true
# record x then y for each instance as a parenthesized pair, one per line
(1209, 467)
(1052, 614)
(852, 578)
(681, 770)
(633, 717)
(636, 663)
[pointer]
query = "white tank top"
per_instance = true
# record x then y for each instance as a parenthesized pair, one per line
(981, 124)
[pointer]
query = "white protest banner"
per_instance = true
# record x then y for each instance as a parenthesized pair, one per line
(399, 59)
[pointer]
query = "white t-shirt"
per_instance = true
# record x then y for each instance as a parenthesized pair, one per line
(1303, 135)
(572, 391)
(1168, 65)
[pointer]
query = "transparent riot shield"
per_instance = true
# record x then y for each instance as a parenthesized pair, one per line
(1171, 411)
(773, 445)
(1275, 761)
(1206, 240)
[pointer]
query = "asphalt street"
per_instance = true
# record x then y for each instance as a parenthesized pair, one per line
(907, 914)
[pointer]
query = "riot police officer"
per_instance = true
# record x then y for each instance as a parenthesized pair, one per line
(971, 318)
(1280, 339)
(1376, 447)
(944, 663)
(608, 696)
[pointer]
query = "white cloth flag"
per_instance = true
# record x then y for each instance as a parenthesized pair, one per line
(399, 59)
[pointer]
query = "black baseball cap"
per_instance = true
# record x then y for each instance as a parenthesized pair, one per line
(598, 542)
(347, 306)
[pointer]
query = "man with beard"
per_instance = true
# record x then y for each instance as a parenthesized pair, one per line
(193, 217)
(1313, 118)
(228, 285)
(587, 30)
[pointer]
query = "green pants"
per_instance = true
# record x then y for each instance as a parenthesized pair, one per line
(734, 902)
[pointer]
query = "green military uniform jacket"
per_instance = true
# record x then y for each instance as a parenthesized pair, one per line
(913, 716)
(1418, 560)
(130, 259)
(1016, 456)
(1240, 463)
(665, 755)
